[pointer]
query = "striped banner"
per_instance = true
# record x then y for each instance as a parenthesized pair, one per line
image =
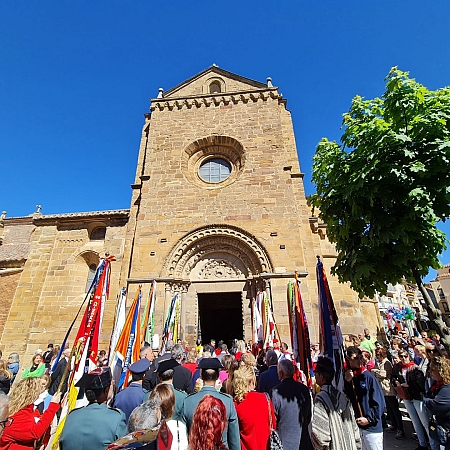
(128, 344)
(298, 324)
(331, 340)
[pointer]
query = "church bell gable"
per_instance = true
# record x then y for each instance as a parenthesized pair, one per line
(213, 81)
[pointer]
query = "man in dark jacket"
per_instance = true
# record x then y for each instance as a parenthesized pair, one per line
(58, 373)
(269, 378)
(365, 393)
(182, 377)
(292, 405)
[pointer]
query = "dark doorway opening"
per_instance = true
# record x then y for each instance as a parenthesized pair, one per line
(221, 316)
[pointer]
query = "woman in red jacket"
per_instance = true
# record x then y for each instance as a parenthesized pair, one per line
(26, 425)
(253, 409)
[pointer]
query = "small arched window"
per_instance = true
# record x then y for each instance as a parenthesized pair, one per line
(98, 234)
(91, 275)
(215, 88)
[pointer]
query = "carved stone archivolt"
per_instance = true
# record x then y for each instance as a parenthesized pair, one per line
(219, 269)
(225, 239)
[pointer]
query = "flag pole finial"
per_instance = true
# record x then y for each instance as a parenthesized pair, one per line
(318, 257)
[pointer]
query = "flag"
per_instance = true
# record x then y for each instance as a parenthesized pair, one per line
(257, 320)
(269, 329)
(170, 325)
(298, 324)
(128, 345)
(148, 316)
(119, 323)
(85, 347)
(331, 340)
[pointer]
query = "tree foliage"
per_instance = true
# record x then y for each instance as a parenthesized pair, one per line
(382, 191)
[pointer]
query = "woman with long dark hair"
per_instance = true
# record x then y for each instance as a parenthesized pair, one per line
(208, 424)
(37, 368)
(164, 395)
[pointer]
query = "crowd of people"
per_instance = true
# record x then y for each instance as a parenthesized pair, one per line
(237, 396)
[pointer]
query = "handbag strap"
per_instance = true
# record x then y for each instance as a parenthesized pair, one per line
(270, 412)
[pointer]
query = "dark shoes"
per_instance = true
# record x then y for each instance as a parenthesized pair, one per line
(419, 447)
(400, 434)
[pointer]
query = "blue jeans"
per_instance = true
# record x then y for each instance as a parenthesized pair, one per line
(419, 418)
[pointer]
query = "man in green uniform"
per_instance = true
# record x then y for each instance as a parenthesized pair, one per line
(165, 375)
(209, 368)
(95, 426)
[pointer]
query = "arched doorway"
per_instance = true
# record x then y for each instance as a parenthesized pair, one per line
(216, 269)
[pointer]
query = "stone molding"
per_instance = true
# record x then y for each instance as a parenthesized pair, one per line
(219, 269)
(220, 99)
(216, 238)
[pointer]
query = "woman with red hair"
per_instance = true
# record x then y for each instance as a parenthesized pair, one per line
(208, 424)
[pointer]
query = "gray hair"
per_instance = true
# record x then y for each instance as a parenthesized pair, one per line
(286, 366)
(271, 358)
(169, 345)
(177, 352)
(144, 350)
(144, 417)
(14, 357)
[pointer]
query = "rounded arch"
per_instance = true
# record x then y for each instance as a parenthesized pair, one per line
(213, 240)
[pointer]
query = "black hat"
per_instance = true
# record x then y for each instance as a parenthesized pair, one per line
(140, 366)
(97, 379)
(167, 364)
(210, 363)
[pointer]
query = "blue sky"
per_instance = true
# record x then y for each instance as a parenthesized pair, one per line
(76, 78)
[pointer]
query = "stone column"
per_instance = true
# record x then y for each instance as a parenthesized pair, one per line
(184, 289)
(167, 300)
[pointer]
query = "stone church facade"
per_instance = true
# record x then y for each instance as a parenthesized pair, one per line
(218, 212)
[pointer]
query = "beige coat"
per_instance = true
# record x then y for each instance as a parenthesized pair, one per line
(383, 373)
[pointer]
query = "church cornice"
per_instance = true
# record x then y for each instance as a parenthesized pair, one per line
(220, 99)
(49, 219)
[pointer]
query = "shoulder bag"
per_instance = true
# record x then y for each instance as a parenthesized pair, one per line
(439, 433)
(274, 439)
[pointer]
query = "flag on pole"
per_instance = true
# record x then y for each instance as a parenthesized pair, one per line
(128, 345)
(85, 348)
(257, 320)
(298, 324)
(171, 322)
(269, 330)
(119, 323)
(148, 316)
(331, 340)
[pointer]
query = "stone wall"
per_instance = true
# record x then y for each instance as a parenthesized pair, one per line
(52, 284)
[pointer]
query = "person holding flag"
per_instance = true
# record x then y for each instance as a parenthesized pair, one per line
(365, 393)
(96, 425)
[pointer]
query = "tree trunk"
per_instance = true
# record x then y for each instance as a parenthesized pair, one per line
(433, 313)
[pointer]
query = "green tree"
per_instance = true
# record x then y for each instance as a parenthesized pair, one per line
(384, 189)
